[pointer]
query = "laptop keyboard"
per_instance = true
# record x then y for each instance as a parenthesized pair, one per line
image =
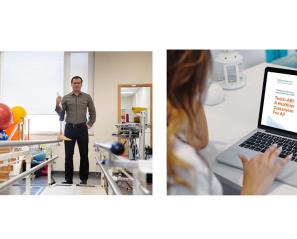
(260, 142)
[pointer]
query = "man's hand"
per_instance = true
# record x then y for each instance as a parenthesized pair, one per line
(89, 126)
(58, 100)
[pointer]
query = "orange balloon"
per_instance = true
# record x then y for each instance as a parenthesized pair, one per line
(9, 132)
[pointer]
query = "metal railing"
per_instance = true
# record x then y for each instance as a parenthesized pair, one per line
(115, 188)
(26, 152)
(6, 156)
(4, 144)
(11, 181)
(107, 161)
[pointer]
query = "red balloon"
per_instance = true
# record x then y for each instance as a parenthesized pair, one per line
(5, 116)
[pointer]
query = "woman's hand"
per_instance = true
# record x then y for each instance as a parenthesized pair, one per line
(261, 170)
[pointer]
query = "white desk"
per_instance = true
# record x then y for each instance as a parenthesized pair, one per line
(233, 119)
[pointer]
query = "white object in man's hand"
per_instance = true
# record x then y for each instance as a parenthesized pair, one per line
(58, 100)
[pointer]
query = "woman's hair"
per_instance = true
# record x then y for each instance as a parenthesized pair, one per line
(186, 80)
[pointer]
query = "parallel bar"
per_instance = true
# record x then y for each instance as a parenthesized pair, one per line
(49, 174)
(142, 149)
(6, 184)
(4, 144)
(28, 177)
(115, 188)
(127, 174)
(106, 145)
(7, 156)
(122, 162)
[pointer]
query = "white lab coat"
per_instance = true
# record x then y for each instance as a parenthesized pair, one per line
(201, 178)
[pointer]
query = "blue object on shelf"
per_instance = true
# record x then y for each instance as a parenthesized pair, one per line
(272, 55)
(289, 61)
(39, 156)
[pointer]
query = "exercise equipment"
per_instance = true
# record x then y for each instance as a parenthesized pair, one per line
(117, 148)
(18, 113)
(3, 135)
(134, 133)
(5, 116)
(39, 157)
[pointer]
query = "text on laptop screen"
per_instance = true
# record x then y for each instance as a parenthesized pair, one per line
(279, 102)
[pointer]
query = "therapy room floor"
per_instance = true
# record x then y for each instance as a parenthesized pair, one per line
(39, 186)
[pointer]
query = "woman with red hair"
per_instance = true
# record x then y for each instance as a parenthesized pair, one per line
(187, 133)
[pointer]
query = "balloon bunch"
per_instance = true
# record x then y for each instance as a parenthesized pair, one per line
(9, 118)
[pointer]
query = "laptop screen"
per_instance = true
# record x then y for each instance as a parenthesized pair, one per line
(279, 100)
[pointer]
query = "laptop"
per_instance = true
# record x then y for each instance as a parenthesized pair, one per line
(277, 123)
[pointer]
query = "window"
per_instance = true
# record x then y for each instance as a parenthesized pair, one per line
(79, 67)
(79, 64)
(44, 124)
(33, 80)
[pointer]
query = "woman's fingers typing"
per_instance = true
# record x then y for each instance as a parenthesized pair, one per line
(270, 150)
(243, 159)
(281, 163)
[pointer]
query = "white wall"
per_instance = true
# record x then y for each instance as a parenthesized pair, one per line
(111, 69)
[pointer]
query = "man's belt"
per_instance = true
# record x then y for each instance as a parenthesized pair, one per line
(76, 125)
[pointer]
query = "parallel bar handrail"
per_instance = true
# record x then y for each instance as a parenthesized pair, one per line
(27, 143)
(11, 181)
(126, 174)
(7, 156)
(123, 163)
(115, 188)
(106, 145)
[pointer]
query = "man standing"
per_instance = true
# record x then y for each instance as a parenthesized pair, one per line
(75, 104)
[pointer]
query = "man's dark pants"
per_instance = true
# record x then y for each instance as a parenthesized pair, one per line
(80, 134)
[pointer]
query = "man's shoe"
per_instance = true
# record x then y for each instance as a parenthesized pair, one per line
(83, 182)
(67, 182)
